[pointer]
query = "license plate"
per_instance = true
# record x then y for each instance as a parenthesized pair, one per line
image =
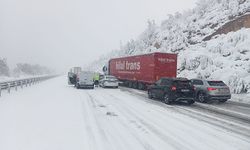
(185, 90)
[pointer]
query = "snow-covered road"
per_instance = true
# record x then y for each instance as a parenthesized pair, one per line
(54, 116)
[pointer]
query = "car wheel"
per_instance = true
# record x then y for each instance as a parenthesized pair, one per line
(77, 86)
(150, 96)
(223, 100)
(201, 97)
(167, 100)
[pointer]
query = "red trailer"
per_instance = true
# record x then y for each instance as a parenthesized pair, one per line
(141, 70)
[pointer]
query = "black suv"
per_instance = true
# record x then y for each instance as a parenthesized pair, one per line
(171, 90)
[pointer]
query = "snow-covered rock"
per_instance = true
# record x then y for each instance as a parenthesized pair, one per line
(225, 57)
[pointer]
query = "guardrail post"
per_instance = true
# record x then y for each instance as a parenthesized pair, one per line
(8, 87)
(0, 90)
(16, 86)
(26, 83)
(30, 81)
(21, 84)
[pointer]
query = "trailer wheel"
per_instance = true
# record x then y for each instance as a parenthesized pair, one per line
(135, 85)
(130, 84)
(141, 86)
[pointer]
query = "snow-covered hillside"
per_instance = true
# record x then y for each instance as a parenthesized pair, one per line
(225, 57)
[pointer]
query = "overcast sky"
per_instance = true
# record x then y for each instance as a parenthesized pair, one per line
(66, 33)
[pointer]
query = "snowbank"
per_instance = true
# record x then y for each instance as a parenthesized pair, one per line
(224, 57)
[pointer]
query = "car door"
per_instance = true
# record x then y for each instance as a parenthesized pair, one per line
(161, 86)
(155, 88)
(164, 87)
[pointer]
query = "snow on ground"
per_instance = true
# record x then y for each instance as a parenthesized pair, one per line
(243, 98)
(4, 78)
(52, 115)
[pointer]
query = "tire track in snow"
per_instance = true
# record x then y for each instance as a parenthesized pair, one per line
(219, 118)
(173, 142)
(143, 143)
(156, 128)
(185, 123)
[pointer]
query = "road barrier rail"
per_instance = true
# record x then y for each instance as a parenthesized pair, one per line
(14, 84)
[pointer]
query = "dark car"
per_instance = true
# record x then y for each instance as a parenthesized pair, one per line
(210, 90)
(171, 90)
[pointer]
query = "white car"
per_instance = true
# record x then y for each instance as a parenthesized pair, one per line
(109, 81)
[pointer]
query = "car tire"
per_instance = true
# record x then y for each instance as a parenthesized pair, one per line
(150, 96)
(167, 100)
(201, 97)
(222, 100)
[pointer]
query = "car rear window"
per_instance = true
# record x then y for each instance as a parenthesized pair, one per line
(197, 82)
(165, 82)
(216, 83)
(182, 83)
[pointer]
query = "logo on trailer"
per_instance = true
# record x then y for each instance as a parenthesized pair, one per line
(126, 65)
(166, 60)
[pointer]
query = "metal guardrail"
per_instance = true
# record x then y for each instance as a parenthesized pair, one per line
(8, 85)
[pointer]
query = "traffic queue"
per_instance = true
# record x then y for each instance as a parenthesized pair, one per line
(156, 73)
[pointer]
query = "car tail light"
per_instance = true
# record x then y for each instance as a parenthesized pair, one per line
(211, 89)
(173, 88)
(194, 87)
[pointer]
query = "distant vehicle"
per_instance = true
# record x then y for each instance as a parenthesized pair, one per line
(76, 70)
(143, 70)
(72, 75)
(84, 79)
(96, 79)
(210, 90)
(71, 78)
(109, 81)
(171, 90)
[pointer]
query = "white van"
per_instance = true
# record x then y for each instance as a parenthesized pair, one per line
(84, 79)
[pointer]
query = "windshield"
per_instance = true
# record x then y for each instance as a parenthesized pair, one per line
(216, 83)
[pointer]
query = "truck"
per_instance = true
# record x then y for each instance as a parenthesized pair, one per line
(140, 71)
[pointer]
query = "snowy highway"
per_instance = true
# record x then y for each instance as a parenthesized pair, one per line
(52, 115)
